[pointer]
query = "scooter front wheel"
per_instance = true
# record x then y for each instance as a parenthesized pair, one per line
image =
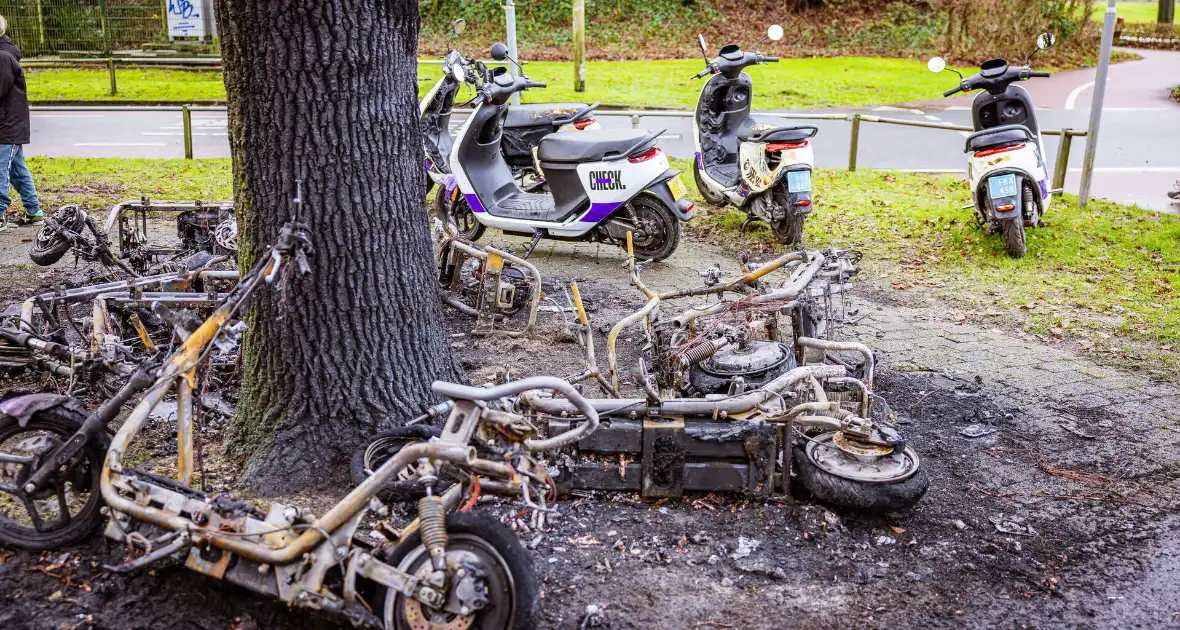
(712, 198)
(497, 576)
(459, 213)
(67, 509)
(655, 230)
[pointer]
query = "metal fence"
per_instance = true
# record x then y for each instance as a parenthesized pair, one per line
(66, 27)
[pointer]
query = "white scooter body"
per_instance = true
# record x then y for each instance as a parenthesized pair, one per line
(749, 155)
(1026, 162)
(607, 184)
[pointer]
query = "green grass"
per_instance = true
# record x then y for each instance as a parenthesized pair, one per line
(1131, 12)
(1106, 275)
(792, 83)
(86, 84)
(100, 183)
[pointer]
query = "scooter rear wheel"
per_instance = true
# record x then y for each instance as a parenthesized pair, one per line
(789, 231)
(1013, 230)
(656, 232)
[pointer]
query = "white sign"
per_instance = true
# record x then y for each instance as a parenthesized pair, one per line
(190, 18)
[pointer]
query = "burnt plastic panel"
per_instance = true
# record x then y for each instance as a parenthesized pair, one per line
(434, 125)
(723, 107)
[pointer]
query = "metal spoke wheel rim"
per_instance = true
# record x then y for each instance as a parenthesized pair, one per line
(891, 468)
(384, 449)
(401, 611)
(68, 498)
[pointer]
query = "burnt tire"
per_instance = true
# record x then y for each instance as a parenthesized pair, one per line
(48, 247)
(392, 441)
(61, 423)
(1013, 231)
(845, 493)
(664, 237)
(466, 530)
(710, 197)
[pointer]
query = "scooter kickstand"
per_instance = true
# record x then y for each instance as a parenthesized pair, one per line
(528, 251)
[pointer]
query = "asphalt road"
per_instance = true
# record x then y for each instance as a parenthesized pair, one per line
(1137, 160)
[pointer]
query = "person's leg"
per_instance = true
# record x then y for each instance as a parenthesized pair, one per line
(22, 181)
(6, 151)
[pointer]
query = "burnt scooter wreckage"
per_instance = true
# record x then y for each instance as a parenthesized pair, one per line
(741, 394)
(733, 403)
(446, 569)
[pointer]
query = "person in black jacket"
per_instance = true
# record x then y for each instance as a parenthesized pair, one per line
(14, 131)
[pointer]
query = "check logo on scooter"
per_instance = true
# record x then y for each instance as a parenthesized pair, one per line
(606, 180)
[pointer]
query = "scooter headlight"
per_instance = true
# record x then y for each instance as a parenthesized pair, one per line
(459, 73)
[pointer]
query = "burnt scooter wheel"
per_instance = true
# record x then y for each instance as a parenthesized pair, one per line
(459, 213)
(655, 230)
(789, 231)
(712, 198)
(894, 482)
(63, 513)
(494, 562)
(50, 244)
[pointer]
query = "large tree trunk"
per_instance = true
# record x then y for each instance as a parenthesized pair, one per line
(325, 91)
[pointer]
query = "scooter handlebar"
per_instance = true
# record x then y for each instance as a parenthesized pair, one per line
(703, 73)
(953, 91)
(1036, 75)
(765, 59)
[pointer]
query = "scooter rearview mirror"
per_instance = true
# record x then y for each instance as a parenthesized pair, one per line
(775, 32)
(458, 26)
(936, 64)
(1046, 40)
(701, 43)
(499, 51)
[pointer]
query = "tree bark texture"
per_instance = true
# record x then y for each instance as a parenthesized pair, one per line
(326, 91)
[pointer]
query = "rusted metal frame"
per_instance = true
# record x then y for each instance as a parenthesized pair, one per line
(731, 406)
(586, 336)
(493, 259)
(82, 293)
(654, 298)
(184, 427)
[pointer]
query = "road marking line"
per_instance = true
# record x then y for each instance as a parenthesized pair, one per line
(934, 118)
(1072, 99)
(889, 108)
(119, 144)
(958, 108)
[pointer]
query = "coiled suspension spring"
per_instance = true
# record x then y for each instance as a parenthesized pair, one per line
(432, 529)
(699, 352)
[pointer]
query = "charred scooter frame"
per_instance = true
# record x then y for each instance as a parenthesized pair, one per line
(759, 164)
(447, 569)
(524, 127)
(731, 405)
(1007, 171)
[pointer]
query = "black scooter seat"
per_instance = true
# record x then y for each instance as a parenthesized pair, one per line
(593, 146)
(540, 114)
(771, 129)
(998, 137)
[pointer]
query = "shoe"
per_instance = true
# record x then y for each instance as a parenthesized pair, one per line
(30, 219)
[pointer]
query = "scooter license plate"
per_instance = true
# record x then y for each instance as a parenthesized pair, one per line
(1002, 186)
(798, 181)
(677, 187)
